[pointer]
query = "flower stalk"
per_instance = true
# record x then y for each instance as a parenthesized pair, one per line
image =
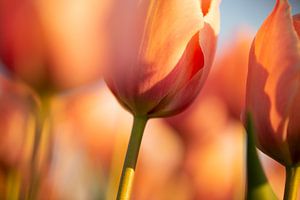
(292, 183)
(128, 170)
(41, 114)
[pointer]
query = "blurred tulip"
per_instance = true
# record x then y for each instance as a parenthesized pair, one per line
(162, 53)
(91, 116)
(52, 45)
(229, 76)
(213, 145)
(166, 159)
(273, 85)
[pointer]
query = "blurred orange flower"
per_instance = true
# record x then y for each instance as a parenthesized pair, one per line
(229, 76)
(162, 53)
(273, 92)
(53, 45)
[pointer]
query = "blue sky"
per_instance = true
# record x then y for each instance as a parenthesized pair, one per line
(246, 13)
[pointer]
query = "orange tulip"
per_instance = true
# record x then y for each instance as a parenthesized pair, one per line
(52, 45)
(273, 91)
(162, 53)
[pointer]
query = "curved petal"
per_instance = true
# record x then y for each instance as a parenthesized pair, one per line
(193, 59)
(273, 80)
(177, 101)
(190, 63)
(143, 59)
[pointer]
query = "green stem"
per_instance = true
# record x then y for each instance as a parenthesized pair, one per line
(41, 113)
(291, 183)
(257, 183)
(128, 171)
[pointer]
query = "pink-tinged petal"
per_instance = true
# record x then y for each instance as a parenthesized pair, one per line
(273, 80)
(142, 63)
(190, 63)
(116, 92)
(193, 59)
(203, 47)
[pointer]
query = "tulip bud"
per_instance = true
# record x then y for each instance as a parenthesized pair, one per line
(162, 53)
(273, 85)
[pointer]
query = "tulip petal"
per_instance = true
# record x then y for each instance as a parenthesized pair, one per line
(190, 63)
(273, 79)
(177, 101)
(294, 118)
(155, 50)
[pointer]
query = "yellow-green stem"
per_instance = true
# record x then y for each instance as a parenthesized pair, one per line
(128, 171)
(291, 183)
(13, 184)
(41, 113)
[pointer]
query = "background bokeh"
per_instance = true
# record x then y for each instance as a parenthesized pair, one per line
(199, 154)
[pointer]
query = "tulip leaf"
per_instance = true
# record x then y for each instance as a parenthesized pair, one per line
(258, 187)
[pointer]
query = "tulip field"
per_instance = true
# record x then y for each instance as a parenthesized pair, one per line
(149, 100)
